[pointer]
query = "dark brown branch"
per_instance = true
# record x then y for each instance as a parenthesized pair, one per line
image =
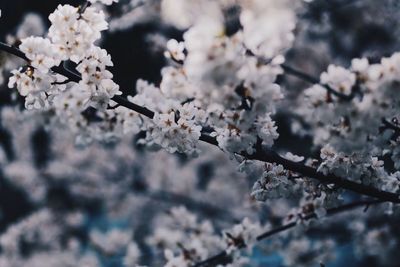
(13, 51)
(271, 156)
(260, 154)
(83, 7)
(224, 258)
(61, 83)
(139, 109)
(76, 78)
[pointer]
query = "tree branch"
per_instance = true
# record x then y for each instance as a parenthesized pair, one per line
(13, 51)
(260, 154)
(224, 258)
(307, 171)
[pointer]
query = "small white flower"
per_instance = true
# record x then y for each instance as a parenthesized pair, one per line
(339, 78)
(360, 65)
(175, 50)
(267, 130)
(376, 164)
(293, 157)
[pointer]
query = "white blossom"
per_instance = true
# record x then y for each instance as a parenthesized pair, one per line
(243, 234)
(267, 130)
(339, 79)
(41, 52)
(73, 33)
(175, 50)
(274, 183)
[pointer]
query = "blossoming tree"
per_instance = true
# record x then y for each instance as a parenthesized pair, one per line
(94, 199)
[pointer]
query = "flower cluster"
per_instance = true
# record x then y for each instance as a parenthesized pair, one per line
(339, 78)
(38, 88)
(74, 32)
(41, 53)
(194, 243)
(180, 135)
(71, 37)
(187, 240)
(230, 76)
(223, 75)
(96, 79)
(274, 183)
(241, 235)
(352, 134)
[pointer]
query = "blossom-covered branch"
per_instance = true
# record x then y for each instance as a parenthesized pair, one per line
(310, 79)
(225, 258)
(119, 176)
(260, 153)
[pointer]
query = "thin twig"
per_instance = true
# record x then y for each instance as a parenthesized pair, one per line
(313, 80)
(308, 78)
(61, 83)
(83, 7)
